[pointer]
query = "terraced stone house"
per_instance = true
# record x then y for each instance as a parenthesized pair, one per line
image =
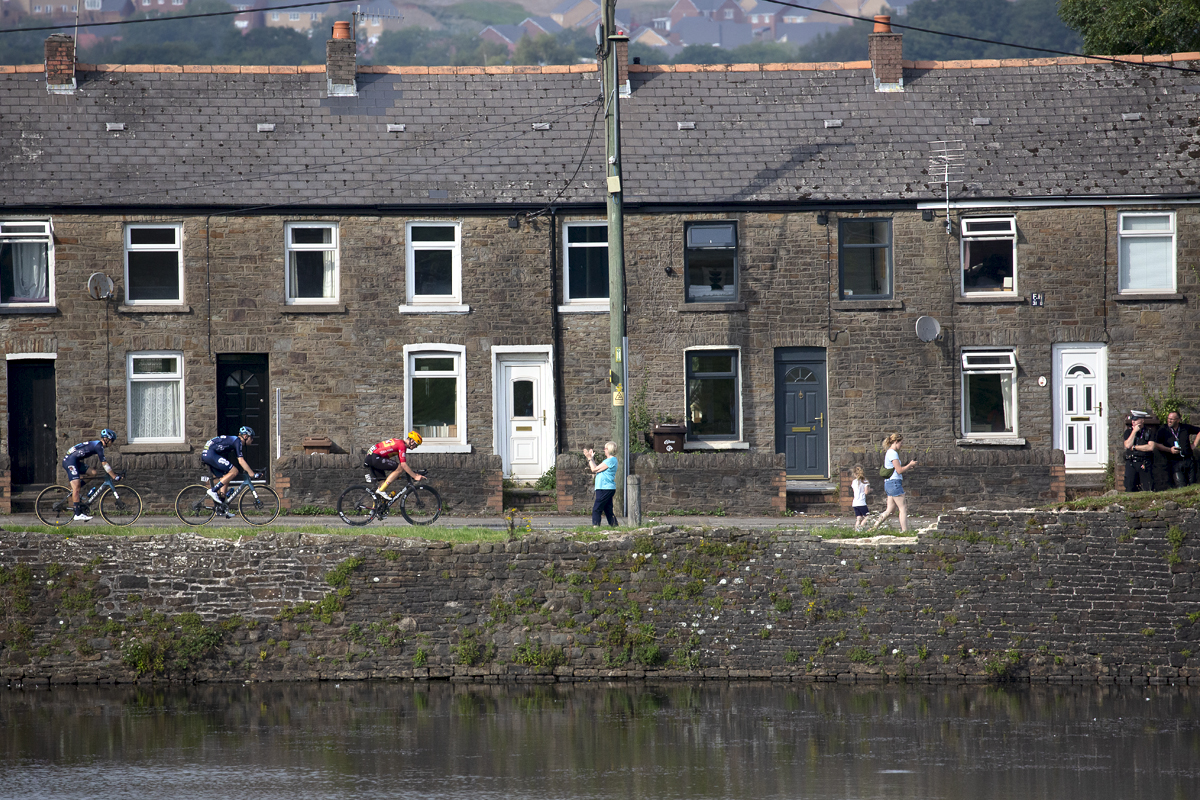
(350, 252)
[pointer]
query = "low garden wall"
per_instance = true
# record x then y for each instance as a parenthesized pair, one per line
(704, 482)
(975, 478)
(1072, 596)
(468, 483)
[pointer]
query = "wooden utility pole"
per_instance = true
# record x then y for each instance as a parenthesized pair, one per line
(612, 39)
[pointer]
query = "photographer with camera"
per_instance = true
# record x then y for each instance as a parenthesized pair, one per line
(1175, 440)
(1139, 453)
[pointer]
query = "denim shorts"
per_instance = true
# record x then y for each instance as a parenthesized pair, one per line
(894, 487)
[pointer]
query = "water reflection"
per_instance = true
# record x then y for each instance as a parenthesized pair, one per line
(676, 741)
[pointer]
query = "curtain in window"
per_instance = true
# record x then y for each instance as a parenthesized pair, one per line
(1146, 263)
(1006, 387)
(30, 272)
(312, 274)
(154, 410)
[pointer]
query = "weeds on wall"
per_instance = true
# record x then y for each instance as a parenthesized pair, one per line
(1162, 403)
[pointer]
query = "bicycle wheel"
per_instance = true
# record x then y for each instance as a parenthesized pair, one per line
(422, 505)
(193, 505)
(53, 506)
(356, 506)
(260, 506)
(120, 506)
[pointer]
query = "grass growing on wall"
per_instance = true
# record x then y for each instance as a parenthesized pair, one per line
(1187, 497)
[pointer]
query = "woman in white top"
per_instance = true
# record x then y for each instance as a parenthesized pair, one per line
(893, 487)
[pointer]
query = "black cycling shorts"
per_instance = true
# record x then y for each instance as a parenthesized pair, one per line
(380, 466)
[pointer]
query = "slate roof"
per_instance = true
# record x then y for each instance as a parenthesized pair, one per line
(1056, 128)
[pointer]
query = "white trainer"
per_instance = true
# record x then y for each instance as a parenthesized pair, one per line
(383, 493)
(216, 498)
(82, 517)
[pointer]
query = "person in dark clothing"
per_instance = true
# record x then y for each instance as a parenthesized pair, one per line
(1139, 454)
(1174, 440)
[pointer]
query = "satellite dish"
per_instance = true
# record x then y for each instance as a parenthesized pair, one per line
(928, 329)
(100, 286)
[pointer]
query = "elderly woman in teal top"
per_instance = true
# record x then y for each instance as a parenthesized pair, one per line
(606, 483)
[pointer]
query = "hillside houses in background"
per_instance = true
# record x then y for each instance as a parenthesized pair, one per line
(719, 23)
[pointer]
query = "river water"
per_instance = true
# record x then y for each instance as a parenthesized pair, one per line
(715, 740)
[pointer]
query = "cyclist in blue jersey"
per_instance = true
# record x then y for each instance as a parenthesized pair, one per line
(220, 454)
(77, 469)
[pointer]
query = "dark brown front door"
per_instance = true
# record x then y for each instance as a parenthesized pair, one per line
(31, 415)
(243, 399)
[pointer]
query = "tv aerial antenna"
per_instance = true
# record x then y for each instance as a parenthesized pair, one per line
(947, 161)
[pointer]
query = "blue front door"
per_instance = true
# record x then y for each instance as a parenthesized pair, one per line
(801, 423)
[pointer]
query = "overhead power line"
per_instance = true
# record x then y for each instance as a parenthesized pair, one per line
(894, 24)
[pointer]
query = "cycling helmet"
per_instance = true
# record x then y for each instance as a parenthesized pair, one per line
(416, 437)
(246, 430)
(108, 433)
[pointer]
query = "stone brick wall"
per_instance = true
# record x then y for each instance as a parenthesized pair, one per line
(729, 482)
(706, 482)
(468, 484)
(341, 373)
(979, 478)
(1109, 597)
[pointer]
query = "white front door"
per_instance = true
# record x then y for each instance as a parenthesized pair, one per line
(526, 418)
(1080, 397)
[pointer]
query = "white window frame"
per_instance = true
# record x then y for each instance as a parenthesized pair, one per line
(586, 304)
(689, 249)
(10, 236)
(93, 5)
(993, 236)
(740, 443)
(157, 248)
(289, 248)
(1123, 266)
(972, 364)
(459, 443)
(131, 378)
(433, 304)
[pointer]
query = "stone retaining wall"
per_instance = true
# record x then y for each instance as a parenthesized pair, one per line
(1110, 597)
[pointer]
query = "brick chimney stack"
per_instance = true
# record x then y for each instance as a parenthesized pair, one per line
(620, 49)
(340, 62)
(884, 48)
(60, 64)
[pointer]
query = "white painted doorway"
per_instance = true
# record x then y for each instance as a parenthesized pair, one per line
(1080, 405)
(524, 413)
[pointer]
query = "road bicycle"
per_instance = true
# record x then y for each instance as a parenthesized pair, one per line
(256, 502)
(419, 503)
(119, 504)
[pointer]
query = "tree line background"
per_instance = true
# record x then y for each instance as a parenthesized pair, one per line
(1086, 26)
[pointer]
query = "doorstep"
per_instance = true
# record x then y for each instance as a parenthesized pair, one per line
(811, 487)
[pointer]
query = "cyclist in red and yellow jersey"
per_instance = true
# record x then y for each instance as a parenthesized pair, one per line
(389, 456)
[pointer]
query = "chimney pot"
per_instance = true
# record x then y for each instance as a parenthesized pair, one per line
(883, 23)
(341, 30)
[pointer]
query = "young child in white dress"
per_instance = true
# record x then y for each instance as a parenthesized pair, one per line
(861, 490)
